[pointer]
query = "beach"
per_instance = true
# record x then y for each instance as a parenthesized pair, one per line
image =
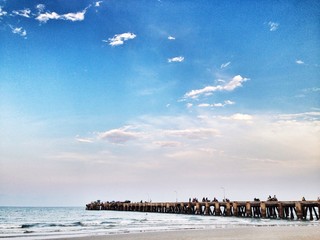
(248, 233)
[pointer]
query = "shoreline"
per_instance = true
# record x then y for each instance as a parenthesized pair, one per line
(310, 232)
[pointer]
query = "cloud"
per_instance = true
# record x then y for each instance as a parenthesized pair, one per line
(227, 102)
(241, 117)
(119, 136)
(168, 144)
(98, 4)
(273, 26)
(176, 59)
(44, 17)
(78, 16)
(193, 133)
(306, 116)
(300, 62)
(23, 13)
(224, 65)
(314, 89)
(119, 39)
(20, 31)
(84, 140)
(2, 12)
(40, 7)
(171, 38)
(189, 105)
(235, 82)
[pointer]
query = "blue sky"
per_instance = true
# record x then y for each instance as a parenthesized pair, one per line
(145, 99)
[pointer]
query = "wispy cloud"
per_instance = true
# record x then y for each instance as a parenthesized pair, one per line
(98, 4)
(40, 7)
(300, 62)
(44, 17)
(305, 116)
(20, 31)
(78, 16)
(241, 117)
(234, 83)
(119, 136)
(171, 38)
(193, 133)
(314, 89)
(23, 13)
(189, 105)
(224, 65)
(227, 102)
(84, 140)
(176, 59)
(168, 144)
(119, 39)
(273, 26)
(2, 12)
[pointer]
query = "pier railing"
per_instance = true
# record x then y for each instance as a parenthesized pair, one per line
(294, 210)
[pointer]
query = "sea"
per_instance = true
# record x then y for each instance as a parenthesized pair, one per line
(67, 222)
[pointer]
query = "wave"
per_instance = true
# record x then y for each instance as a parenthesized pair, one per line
(40, 225)
(29, 225)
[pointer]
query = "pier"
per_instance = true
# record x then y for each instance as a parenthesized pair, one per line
(293, 210)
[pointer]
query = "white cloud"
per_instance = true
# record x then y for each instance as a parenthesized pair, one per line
(20, 31)
(44, 17)
(306, 116)
(314, 89)
(84, 140)
(241, 117)
(299, 62)
(176, 59)
(235, 82)
(78, 16)
(98, 4)
(2, 12)
(224, 65)
(40, 7)
(119, 39)
(189, 105)
(120, 135)
(193, 133)
(24, 13)
(273, 26)
(227, 102)
(170, 144)
(204, 105)
(171, 38)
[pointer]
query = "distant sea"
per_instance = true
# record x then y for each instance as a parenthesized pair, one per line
(58, 222)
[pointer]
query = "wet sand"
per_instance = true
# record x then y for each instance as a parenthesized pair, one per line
(241, 233)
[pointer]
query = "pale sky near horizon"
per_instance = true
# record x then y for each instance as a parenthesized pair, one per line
(158, 99)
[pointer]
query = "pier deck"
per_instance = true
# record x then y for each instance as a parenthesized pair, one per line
(294, 210)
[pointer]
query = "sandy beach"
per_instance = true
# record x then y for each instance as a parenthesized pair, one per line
(248, 233)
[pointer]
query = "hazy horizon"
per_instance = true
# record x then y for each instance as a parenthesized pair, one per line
(158, 99)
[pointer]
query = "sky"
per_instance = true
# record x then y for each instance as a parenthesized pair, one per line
(158, 100)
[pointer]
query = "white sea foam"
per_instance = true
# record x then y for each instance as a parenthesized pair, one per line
(41, 223)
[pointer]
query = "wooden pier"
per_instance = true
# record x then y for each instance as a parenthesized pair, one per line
(294, 210)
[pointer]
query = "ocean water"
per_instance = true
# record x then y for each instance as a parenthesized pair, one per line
(58, 222)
